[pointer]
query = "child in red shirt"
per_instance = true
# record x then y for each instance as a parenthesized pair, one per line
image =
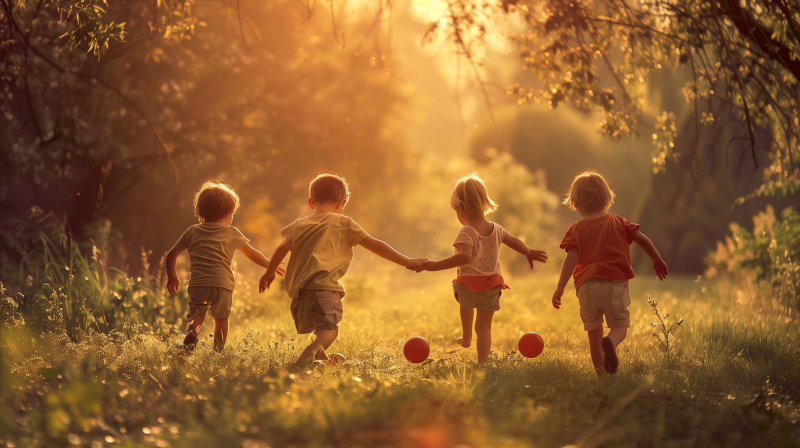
(599, 258)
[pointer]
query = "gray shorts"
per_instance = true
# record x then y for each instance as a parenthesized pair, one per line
(609, 298)
(488, 300)
(317, 310)
(216, 302)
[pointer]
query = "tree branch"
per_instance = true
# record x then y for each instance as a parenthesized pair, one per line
(91, 79)
(241, 29)
(757, 33)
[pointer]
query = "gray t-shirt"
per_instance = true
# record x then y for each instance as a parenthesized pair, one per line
(211, 247)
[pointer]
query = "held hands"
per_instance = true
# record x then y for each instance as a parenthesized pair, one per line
(557, 297)
(172, 285)
(536, 255)
(417, 264)
(661, 269)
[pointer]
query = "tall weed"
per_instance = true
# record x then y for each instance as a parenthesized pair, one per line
(768, 256)
(68, 287)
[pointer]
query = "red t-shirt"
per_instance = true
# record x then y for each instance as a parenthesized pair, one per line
(603, 248)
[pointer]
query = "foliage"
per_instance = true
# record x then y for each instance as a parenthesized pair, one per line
(664, 332)
(89, 32)
(769, 253)
(67, 292)
(421, 222)
(128, 137)
(741, 58)
(738, 388)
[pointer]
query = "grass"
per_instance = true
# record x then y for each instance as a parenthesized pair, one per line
(731, 378)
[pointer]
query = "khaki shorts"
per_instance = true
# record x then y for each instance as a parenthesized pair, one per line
(317, 310)
(609, 298)
(488, 300)
(214, 301)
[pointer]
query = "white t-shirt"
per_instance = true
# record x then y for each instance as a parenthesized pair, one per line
(485, 250)
(322, 249)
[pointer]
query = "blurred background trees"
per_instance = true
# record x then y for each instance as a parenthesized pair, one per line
(714, 86)
(113, 114)
(127, 134)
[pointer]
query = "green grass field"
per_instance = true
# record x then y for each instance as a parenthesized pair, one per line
(732, 377)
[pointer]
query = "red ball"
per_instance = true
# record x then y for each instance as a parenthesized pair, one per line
(531, 345)
(416, 350)
(336, 358)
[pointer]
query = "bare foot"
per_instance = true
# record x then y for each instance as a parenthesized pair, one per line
(610, 355)
(464, 342)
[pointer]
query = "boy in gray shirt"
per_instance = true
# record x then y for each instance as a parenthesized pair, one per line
(211, 245)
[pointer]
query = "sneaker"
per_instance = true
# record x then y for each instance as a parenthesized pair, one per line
(611, 362)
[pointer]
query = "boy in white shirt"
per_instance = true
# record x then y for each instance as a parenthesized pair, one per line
(322, 249)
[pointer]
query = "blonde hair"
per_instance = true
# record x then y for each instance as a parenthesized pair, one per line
(589, 193)
(471, 194)
(215, 201)
(327, 188)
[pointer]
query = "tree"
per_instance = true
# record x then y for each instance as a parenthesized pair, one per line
(120, 111)
(742, 59)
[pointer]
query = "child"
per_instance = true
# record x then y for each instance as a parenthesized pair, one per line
(322, 249)
(211, 245)
(479, 283)
(599, 257)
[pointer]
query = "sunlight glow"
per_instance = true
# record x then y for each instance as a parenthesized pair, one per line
(430, 9)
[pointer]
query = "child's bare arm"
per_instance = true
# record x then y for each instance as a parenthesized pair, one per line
(255, 255)
(531, 254)
(566, 272)
(386, 251)
(650, 249)
(172, 269)
(463, 256)
(277, 258)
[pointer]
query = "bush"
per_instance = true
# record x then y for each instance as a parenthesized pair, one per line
(767, 256)
(66, 288)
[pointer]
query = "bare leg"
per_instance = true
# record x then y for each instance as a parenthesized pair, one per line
(596, 349)
(466, 327)
(194, 329)
(609, 344)
(321, 340)
(197, 322)
(483, 331)
(617, 335)
(220, 333)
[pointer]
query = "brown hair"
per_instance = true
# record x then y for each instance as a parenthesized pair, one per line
(215, 201)
(472, 195)
(589, 193)
(328, 188)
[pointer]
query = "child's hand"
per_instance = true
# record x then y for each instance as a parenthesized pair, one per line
(425, 262)
(172, 285)
(415, 264)
(536, 255)
(661, 269)
(265, 281)
(557, 297)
